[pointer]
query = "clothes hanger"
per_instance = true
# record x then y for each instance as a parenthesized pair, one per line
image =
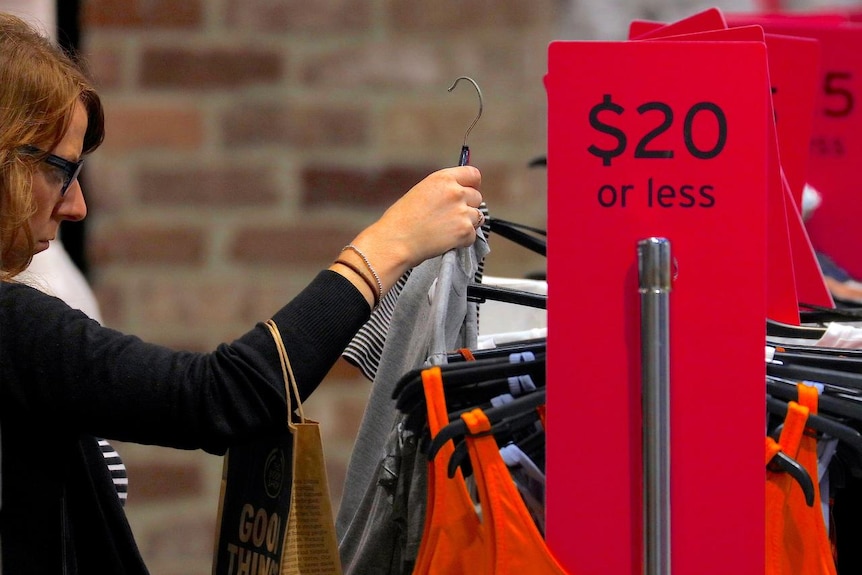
(514, 232)
(504, 432)
(480, 293)
(477, 292)
(809, 373)
(464, 158)
(818, 350)
(485, 381)
(783, 462)
(537, 345)
(778, 329)
(786, 389)
(820, 423)
(408, 390)
(520, 405)
(466, 398)
(538, 161)
(813, 359)
(819, 314)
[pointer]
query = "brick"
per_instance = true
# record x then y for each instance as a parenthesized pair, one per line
(186, 536)
(209, 188)
(350, 413)
(306, 126)
(147, 126)
(155, 481)
(400, 63)
(331, 16)
(111, 302)
(144, 244)
(308, 244)
(352, 186)
(171, 302)
(440, 125)
(104, 65)
(208, 68)
(142, 13)
(456, 15)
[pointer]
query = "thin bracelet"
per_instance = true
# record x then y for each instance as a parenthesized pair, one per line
(364, 278)
(370, 268)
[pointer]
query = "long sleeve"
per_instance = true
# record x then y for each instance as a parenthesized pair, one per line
(63, 370)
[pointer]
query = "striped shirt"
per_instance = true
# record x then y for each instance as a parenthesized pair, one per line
(117, 469)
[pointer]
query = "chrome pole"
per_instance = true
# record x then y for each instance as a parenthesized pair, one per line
(654, 272)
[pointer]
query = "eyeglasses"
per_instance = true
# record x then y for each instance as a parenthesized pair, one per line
(70, 169)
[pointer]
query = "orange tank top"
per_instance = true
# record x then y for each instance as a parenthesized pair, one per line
(452, 539)
(512, 540)
(778, 486)
(804, 541)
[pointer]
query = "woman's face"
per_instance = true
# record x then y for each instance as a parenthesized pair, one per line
(51, 207)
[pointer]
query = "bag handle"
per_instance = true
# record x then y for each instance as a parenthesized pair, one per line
(290, 387)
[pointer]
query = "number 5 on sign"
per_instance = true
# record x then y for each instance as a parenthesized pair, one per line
(838, 99)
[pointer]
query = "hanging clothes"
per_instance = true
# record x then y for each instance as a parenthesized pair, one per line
(513, 543)
(453, 539)
(816, 555)
(778, 487)
(797, 539)
(381, 517)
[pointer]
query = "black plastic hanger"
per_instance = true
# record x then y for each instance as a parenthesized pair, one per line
(778, 329)
(465, 394)
(465, 398)
(851, 379)
(816, 349)
(786, 390)
(811, 313)
(479, 293)
(783, 462)
(520, 405)
(517, 233)
(536, 345)
(820, 423)
(408, 390)
(503, 431)
(814, 359)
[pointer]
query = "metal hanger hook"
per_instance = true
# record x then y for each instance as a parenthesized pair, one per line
(479, 92)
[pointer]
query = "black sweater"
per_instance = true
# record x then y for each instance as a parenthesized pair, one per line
(65, 379)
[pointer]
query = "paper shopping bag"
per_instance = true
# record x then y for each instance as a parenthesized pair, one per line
(275, 512)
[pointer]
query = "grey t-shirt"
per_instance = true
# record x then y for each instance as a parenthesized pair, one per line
(378, 531)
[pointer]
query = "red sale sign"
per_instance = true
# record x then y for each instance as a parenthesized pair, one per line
(711, 19)
(638, 148)
(836, 142)
(793, 274)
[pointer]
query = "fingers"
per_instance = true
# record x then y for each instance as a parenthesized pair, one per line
(468, 176)
(471, 180)
(467, 198)
(480, 219)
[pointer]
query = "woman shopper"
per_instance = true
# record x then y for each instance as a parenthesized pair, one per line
(65, 380)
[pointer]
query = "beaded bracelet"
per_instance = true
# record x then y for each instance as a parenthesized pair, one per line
(353, 248)
(357, 271)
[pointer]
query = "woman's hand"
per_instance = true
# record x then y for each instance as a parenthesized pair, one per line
(437, 214)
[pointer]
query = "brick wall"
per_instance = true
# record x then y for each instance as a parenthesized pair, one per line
(248, 140)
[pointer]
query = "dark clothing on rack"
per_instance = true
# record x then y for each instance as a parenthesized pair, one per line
(83, 380)
(831, 269)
